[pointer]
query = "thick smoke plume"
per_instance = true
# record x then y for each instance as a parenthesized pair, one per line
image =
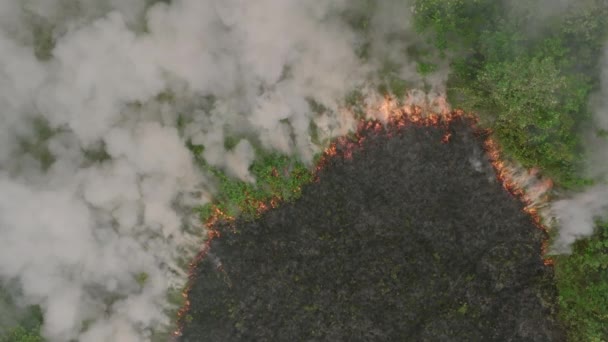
(97, 100)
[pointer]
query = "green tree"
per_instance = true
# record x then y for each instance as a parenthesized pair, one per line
(583, 288)
(535, 110)
(21, 334)
(454, 24)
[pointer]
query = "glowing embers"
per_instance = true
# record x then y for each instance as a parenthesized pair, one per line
(390, 118)
(182, 314)
(183, 311)
(216, 216)
(527, 185)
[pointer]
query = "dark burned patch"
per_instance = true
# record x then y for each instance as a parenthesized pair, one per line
(412, 239)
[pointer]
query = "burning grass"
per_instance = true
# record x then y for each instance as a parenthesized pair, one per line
(529, 186)
(280, 178)
(391, 119)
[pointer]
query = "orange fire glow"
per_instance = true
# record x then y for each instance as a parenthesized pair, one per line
(526, 185)
(216, 216)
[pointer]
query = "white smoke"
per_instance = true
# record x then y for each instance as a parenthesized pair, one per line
(95, 177)
(577, 215)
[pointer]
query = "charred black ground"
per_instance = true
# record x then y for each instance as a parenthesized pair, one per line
(410, 240)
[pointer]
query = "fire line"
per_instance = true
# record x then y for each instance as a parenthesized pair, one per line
(526, 185)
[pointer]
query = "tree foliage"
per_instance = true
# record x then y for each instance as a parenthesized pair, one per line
(21, 334)
(26, 324)
(583, 288)
(533, 112)
(527, 71)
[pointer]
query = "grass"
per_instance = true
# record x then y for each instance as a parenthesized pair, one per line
(278, 177)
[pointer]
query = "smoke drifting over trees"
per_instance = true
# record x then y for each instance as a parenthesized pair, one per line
(98, 99)
(530, 69)
(410, 239)
(578, 214)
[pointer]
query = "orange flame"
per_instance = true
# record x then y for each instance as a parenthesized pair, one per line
(216, 216)
(527, 186)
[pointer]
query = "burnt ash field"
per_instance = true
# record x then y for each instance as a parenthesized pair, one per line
(411, 239)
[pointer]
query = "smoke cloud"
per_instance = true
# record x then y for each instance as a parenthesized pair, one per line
(97, 101)
(577, 215)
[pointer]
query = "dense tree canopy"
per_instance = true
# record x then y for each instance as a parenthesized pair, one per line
(526, 67)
